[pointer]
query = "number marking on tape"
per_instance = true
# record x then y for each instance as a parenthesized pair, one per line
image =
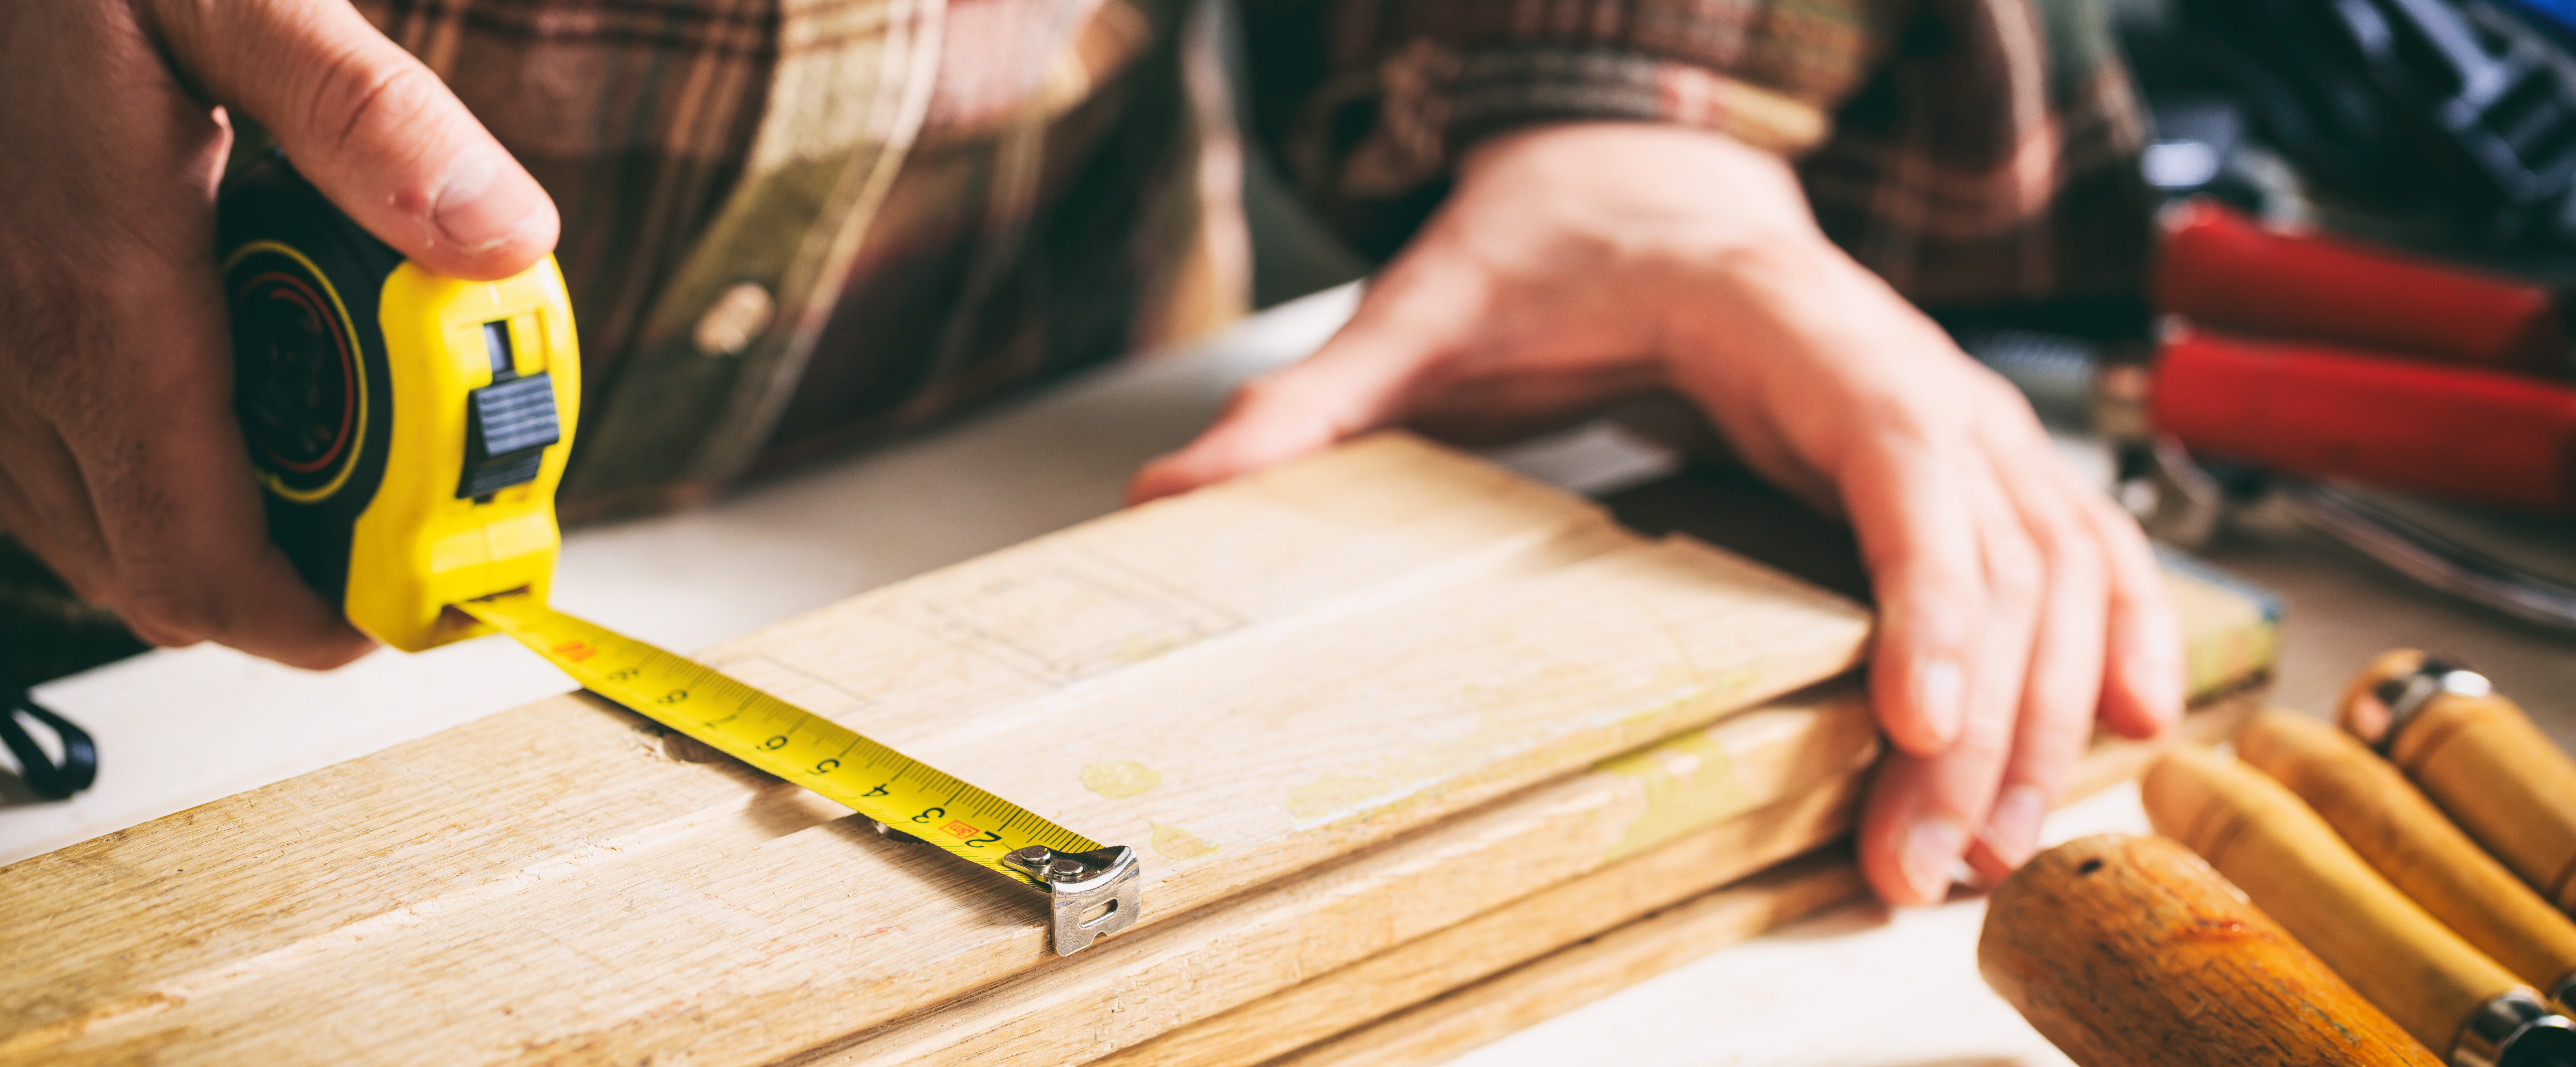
(780, 738)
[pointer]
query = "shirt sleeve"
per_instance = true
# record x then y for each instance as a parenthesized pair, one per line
(1972, 152)
(1369, 102)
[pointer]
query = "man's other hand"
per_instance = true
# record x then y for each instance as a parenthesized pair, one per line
(120, 460)
(1579, 263)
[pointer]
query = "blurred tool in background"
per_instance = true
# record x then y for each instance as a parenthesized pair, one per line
(2316, 358)
(2409, 841)
(2456, 116)
(2385, 355)
(2123, 951)
(2293, 866)
(2434, 381)
(2479, 757)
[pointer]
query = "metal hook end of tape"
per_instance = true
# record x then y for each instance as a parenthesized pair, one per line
(1092, 894)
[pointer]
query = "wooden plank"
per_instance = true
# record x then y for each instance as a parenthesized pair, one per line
(1525, 929)
(1589, 970)
(1507, 989)
(1774, 782)
(1225, 987)
(1248, 682)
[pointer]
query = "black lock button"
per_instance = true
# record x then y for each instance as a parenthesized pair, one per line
(508, 424)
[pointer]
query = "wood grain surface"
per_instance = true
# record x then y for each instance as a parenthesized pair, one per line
(1698, 810)
(1501, 1001)
(1246, 683)
(1375, 721)
(2299, 871)
(2131, 952)
(1588, 970)
(2382, 816)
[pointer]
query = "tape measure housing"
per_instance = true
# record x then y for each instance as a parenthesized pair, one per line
(408, 429)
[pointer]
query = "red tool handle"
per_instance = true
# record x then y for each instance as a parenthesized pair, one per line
(2219, 267)
(2322, 412)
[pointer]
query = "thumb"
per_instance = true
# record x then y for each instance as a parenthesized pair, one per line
(370, 127)
(1362, 379)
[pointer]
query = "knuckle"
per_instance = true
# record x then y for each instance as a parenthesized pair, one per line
(2118, 537)
(357, 92)
(1989, 745)
(2014, 575)
(2067, 541)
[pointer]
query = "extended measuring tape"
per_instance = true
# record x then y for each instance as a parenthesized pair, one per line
(410, 431)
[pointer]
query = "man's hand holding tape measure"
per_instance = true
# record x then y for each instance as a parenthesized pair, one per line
(121, 461)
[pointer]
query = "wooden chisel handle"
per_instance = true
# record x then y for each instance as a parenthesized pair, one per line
(2379, 813)
(2479, 757)
(2130, 952)
(2268, 842)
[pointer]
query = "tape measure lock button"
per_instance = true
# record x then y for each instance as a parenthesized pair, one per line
(508, 425)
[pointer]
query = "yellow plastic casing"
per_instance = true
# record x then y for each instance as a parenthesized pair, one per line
(418, 547)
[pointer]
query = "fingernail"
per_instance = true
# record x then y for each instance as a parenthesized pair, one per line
(1932, 849)
(1940, 693)
(478, 212)
(2012, 829)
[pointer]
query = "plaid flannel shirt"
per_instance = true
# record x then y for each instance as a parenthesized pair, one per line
(790, 224)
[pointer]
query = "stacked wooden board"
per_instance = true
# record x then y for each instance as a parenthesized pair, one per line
(1393, 729)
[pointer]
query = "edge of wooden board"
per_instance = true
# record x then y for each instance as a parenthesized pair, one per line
(1518, 995)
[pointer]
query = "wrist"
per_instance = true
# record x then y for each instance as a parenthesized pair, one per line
(1710, 233)
(1772, 291)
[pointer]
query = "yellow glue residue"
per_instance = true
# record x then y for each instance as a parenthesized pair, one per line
(1176, 843)
(1690, 784)
(1119, 779)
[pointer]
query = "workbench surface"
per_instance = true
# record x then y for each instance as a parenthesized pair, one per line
(1852, 986)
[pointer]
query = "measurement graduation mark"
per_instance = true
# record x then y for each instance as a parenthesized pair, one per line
(780, 738)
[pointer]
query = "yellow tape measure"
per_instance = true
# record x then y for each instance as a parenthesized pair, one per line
(1096, 890)
(410, 431)
(781, 738)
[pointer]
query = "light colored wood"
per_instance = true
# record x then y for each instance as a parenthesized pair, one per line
(1749, 791)
(1589, 970)
(2487, 765)
(2295, 868)
(1475, 951)
(1234, 955)
(1325, 601)
(1246, 683)
(2381, 815)
(2130, 952)
(1525, 929)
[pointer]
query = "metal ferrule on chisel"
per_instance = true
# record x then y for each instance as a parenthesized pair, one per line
(2406, 696)
(2515, 1030)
